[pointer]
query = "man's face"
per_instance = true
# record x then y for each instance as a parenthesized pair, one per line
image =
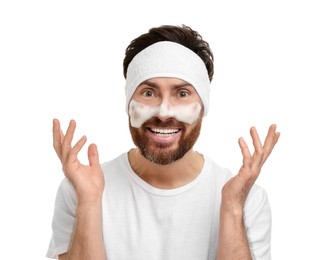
(165, 119)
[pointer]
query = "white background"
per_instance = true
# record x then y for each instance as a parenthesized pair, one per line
(273, 64)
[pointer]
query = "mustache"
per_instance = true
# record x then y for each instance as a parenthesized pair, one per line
(171, 122)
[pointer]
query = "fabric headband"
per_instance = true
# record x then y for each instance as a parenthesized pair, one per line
(168, 59)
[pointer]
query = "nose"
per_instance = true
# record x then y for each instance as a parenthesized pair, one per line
(165, 110)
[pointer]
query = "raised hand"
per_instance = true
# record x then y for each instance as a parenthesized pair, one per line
(88, 180)
(235, 191)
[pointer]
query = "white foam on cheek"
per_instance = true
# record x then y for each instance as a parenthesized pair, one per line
(187, 114)
(140, 113)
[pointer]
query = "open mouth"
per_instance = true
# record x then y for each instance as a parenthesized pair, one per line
(163, 132)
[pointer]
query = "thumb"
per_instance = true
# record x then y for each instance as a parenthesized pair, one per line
(93, 155)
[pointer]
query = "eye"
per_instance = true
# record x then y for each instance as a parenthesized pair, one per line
(183, 94)
(148, 93)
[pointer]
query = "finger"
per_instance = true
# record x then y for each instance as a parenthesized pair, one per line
(259, 151)
(276, 138)
(256, 141)
(247, 158)
(270, 141)
(72, 156)
(68, 138)
(57, 137)
(93, 155)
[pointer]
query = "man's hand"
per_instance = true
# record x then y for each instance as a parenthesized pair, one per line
(235, 191)
(88, 180)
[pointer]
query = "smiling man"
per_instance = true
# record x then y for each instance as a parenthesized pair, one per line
(162, 199)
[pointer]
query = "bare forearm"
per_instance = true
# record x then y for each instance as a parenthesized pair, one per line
(233, 242)
(88, 241)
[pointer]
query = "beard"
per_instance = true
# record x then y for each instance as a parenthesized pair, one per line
(163, 153)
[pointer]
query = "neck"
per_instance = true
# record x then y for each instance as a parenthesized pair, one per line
(171, 176)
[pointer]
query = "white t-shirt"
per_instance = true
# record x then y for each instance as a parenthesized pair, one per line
(146, 223)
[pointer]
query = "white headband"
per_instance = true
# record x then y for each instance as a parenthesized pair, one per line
(168, 59)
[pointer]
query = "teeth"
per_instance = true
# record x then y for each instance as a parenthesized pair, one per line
(164, 131)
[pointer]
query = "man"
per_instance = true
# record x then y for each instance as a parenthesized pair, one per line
(162, 200)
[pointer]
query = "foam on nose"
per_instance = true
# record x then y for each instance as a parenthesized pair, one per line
(164, 111)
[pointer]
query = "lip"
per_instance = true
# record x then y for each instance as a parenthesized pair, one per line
(166, 135)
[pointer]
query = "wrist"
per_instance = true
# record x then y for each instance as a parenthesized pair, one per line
(90, 204)
(89, 199)
(235, 210)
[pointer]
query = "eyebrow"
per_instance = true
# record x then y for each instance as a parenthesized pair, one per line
(156, 86)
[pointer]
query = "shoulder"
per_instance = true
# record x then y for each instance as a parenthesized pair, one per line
(116, 172)
(66, 190)
(258, 222)
(257, 213)
(257, 200)
(216, 171)
(116, 165)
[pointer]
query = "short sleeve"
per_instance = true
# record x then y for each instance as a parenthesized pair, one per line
(64, 219)
(258, 220)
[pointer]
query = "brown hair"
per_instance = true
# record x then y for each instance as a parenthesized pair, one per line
(180, 34)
